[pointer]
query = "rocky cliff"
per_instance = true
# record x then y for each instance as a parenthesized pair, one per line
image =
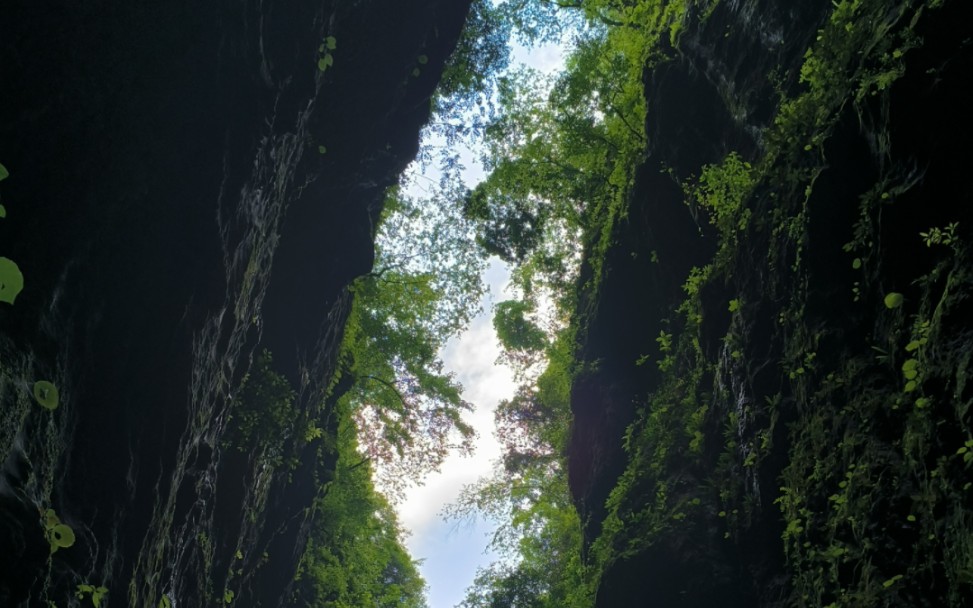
(773, 404)
(167, 162)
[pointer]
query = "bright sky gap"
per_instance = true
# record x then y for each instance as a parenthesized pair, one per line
(449, 555)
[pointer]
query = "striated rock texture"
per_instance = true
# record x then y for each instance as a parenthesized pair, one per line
(776, 453)
(187, 186)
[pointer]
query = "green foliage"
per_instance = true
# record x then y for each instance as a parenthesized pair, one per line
(11, 280)
(264, 420)
(354, 557)
(59, 535)
(518, 335)
(424, 289)
(941, 236)
(46, 394)
(4, 174)
(540, 536)
(325, 57)
(894, 300)
(721, 192)
(544, 540)
(481, 55)
(95, 594)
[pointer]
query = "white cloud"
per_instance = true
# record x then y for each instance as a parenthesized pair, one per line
(547, 58)
(450, 555)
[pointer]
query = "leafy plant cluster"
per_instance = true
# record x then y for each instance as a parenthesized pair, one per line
(540, 532)
(265, 421)
(355, 555)
(423, 290)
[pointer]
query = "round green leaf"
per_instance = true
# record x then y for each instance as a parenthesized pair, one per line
(423, 59)
(856, 263)
(46, 394)
(331, 42)
(4, 174)
(894, 300)
(3, 211)
(11, 280)
(62, 536)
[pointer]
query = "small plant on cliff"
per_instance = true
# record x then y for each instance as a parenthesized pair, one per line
(326, 59)
(96, 594)
(11, 279)
(45, 393)
(59, 535)
(721, 192)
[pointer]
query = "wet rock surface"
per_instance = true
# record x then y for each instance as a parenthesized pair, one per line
(720, 91)
(171, 212)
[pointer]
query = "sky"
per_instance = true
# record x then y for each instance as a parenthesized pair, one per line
(451, 554)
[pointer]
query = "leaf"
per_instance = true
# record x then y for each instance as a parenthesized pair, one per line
(911, 346)
(894, 300)
(423, 59)
(3, 211)
(322, 150)
(62, 536)
(910, 368)
(11, 280)
(46, 394)
(856, 263)
(331, 43)
(4, 174)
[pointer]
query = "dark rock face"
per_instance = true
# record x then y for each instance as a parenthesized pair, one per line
(706, 101)
(718, 93)
(171, 213)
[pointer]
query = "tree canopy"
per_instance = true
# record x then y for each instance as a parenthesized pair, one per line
(424, 289)
(355, 556)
